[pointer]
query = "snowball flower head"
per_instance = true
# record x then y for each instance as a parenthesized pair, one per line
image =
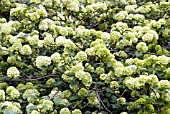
(142, 47)
(49, 40)
(48, 103)
(29, 92)
(33, 40)
(82, 92)
(64, 111)
(76, 111)
(56, 57)
(164, 84)
(114, 35)
(105, 36)
(42, 61)
(26, 50)
(14, 93)
(74, 6)
(121, 100)
(13, 72)
(148, 37)
(82, 56)
(121, 15)
(60, 40)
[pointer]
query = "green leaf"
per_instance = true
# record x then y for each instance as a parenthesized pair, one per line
(32, 107)
(46, 97)
(9, 112)
(138, 54)
(57, 100)
(104, 112)
(58, 83)
(87, 112)
(114, 106)
(74, 97)
(109, 64)
(32, 96)
(114, 98)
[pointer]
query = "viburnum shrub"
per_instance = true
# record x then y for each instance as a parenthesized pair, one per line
(84, 57)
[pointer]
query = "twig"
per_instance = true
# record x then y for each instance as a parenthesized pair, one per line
(28, 79)
(54, 95)
(123, 93)
(78, 103)
(98, 96)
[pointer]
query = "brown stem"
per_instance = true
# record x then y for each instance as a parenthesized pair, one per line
(54, 95)
(98, 96)
(28, 79)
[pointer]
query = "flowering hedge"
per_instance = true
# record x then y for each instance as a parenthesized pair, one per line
(84, 57)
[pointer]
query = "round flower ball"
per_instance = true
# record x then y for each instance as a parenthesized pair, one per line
(148, 37)
(82, 92)
(121, 100)
(13, 72)
(76, 111)
(81, 56)
(64, 111)
(43, 61)
(142, 47)
(55, 57)
(25, 50)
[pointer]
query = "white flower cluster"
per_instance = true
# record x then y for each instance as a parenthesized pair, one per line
(45, 24)
(42, 61)
(128, 70)
(13, 72)
(96, 6)
(55, 57)
(142, 47)
(49, 40)
(14, 106)
(81, 56)
(140, 81)
(33, 40)
(13, 92)
(29, 92)
(121, 15)
(85, 77)
(25, 50)
(77, 67)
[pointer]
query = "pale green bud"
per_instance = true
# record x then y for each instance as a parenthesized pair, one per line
(65, 111)
(82, 92)
(114, 84)
(76, 111)
(121, 100)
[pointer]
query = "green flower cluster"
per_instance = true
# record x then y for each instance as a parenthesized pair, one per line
(84, 56)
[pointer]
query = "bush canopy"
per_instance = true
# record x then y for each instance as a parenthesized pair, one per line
(84, 57)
